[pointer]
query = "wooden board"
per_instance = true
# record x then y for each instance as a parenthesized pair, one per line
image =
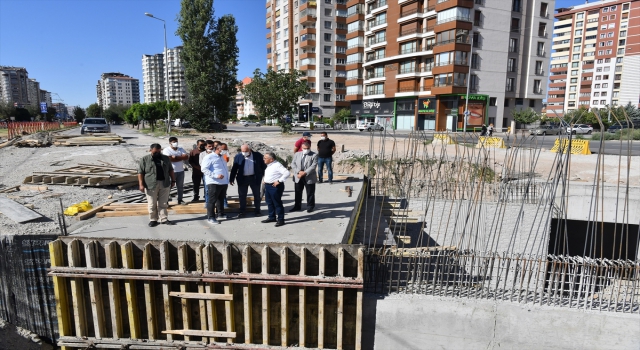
(16, 211)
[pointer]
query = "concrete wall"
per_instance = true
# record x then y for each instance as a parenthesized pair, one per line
(610, 205)
(423, 322)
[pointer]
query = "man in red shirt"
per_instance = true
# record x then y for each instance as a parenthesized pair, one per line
(306, 137)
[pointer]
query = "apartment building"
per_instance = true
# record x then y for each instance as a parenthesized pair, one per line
(33, 92)
(117, 89)
(243, 106)
(596, 58)
(45, 96)
(311, 36)
(154, 77)
(412, 63)
(14, 85)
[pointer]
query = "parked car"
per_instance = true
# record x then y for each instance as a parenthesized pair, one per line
(321, 125)
(580, 129)
(249, 123)
(623, 125)
(217, 126)
(93, 125)
(547, 130)
(305, 125)
(370, 126)
(295, 123)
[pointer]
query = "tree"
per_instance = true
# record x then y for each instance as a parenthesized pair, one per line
(51, 113)
(79, 114)
(341, 115)
(94, 110)
(210, 57)
(526, 116)
(276, 94)
(132, 115)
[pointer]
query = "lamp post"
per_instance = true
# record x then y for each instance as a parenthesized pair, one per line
(166, 69)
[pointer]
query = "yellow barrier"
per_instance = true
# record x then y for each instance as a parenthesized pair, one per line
(577, 146)
(484, 141)
(444, 139)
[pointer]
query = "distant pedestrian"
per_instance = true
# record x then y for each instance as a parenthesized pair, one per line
(326, 149)
(274, 177)
(216, 175)
(305, 176)
(306, 136)
(490, 129)
(483, 131)
(248, 170)
(196, 174)
(177, 155)
(155, 179)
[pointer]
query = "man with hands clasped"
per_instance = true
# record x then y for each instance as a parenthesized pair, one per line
(177, 155)
(304, 167)
(216, 178)
(155, 179)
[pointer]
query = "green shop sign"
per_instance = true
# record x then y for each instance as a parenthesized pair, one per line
(427, 106)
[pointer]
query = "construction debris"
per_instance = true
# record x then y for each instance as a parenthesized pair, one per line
(85, 175)
(16, 211)
(40, 139)
(88, 140)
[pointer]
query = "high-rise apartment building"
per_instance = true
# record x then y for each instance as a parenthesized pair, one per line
(411, 63)
(117, 89)
(33, 92)
(45, 96)
(596, 58)
(244, 107)
(154, 77)
(311, 36)
(14, 85)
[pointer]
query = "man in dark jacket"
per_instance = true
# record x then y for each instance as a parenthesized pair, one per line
(196, 174)
(248, 170)
(155, 179)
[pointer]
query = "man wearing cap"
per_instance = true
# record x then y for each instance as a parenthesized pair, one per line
(306, 136)
(155, 179)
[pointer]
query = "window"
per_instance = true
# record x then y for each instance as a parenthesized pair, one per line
(327, 61)
(579, 24)
(532, 103)
(327, 73)
(408, 47)
(506, 103)
(473, 82)
(475, 61)
(277, 35)
(341, 61)
(516, 5)
(519, 101)
(544, 9)
(407, 67)
(327, 36)
(623, 33)
(286, 43)
(327, 49)
(511, 65)
(510, 84)
(542, 30)
(605, 85)
(327, 24)
(515, 24)
(375, 89)
(327, 12)
(580, 15)
(572, 96)
(327, 86)
(539, 68)
(572, 88)
(541, 51)
(476, 39)
(574, 80)
(513, 45)
(477, 17)
(327, 97)
(341, 49)
(578, 32)
(575, 64)
(577, 40)
(493, 102)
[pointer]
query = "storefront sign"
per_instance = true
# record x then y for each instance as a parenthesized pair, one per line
(476, 108)
(427, 106)
(372, 107)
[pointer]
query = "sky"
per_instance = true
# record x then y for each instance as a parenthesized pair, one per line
(67, 44)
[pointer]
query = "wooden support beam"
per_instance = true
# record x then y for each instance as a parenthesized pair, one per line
(302, 304)
(111, 252)
(201, 301)
(359, 300)
(228, 289)
(284, 319)
(246, 296)
(77, 290)
(149, 295)
(207, 262)
(203, 296)
(60, 290)
(265, 297)
(95, 292)
(130, 289)
(340, 302)
(321, 271)
(166, 300)
(182, 267)
(188, 332)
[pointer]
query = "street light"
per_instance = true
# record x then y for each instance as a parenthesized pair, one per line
(166, 69)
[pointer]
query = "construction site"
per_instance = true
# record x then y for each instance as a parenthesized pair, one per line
(423, 241)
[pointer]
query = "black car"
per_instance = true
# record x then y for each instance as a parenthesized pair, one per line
(624, 125)
(217, 126)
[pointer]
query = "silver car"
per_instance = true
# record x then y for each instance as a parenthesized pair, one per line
(547, 130)
(93, 125)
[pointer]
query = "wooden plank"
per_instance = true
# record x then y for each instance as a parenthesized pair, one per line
(203, 296)
(182, 267)
(111, 253)
(60, 290)
(284, 320)
(130, 290)
(246, 296)
(228, 289)
(265, 297)
(340, 301)
(212, 318)
(34, 188)
(16, 211)
(359, 301)
(201, 303)
(302, 305)
(188, 332)
(149, 295)
(321, 270)
(92, 212)
(95, 292)
(166, 300)
(77, 290)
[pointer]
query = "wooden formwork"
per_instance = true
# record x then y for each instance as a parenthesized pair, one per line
(138, 294)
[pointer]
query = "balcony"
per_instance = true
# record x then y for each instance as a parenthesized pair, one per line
(375, 75)
(354, 77)
(374, 92)
(374, 58)
(375, 6)
(454, 18)
(442, 5)
(408, 50)
(407, 89)
(376, 40)
(409, 32)
(372, 24)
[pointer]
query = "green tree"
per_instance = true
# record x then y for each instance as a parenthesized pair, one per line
(133, 115)
(341, 115)
(51, 113)
(94, 110)
(115, 113)
(276, 94)
(79, 114)
(210, 58)
(525, 116)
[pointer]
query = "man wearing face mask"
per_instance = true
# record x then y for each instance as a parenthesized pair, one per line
(196, 175)
(216, 176)
(177, 155)
(155, 179)
(326, 149)
(303, 167)
(210, 145)
(306, 136)
(248, 170)
(225, 156)
(274, 177)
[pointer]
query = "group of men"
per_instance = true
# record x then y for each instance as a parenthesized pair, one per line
(161, 170)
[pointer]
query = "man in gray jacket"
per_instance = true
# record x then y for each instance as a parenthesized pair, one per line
(305, 175)
(155, 179)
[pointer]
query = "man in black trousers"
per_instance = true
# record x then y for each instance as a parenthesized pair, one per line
(248, 170)
(303, 167)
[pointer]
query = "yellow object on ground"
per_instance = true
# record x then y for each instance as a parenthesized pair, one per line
(443, 138)
(490, 142)
(577, 146)
(78, 208)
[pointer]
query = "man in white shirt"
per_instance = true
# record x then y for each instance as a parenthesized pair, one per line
(274, 177)
(177, 155)
(216, 177)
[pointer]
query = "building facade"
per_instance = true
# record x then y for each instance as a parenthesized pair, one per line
(177, 84)
(117, 89)
(33, 92)
(45, 96)
(596, 58)
(244, 107)
(14, 85)
(311, 36)
(153, 73)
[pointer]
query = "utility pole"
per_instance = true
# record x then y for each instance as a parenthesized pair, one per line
(466, 100)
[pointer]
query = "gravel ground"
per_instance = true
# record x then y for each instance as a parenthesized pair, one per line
(13, 338)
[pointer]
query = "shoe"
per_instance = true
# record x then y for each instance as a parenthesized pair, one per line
(195, 200)
(213, 221)
(240, 215)
(222, 216)
(167, 222)
(268, 221)
(319, 181)
(257, 213)
(294, 209)
(309, 210)
(153, 223)
(279, 223)
(181, 203)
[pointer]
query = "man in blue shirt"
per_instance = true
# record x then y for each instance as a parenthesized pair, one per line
(216, 178)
